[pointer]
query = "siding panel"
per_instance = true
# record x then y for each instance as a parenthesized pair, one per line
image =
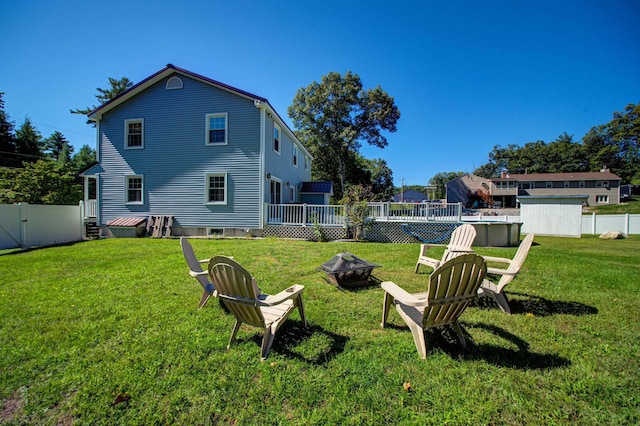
(175, 159)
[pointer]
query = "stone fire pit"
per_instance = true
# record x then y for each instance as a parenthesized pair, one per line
(348, 270)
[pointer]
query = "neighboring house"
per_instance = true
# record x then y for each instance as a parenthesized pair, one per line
(183, 145)
(410, 196)
(600, 188)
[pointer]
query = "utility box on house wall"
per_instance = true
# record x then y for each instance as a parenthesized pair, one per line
(555, 215)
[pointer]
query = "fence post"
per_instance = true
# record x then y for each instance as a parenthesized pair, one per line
(304, 215)
(82, 215)
(24, 223)
(459, 212)
(593, 223)
(626, 223)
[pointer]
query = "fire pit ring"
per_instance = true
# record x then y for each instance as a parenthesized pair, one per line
(348, 270)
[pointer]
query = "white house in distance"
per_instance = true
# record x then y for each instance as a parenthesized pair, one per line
(209, 155)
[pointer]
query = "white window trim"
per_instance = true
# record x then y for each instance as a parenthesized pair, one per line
(548, 185)
(274, 179)
(226, 128)
(294, 158)
(207, 188)
(306, 163)
(602, 199)
(273, 137)
(126, 133)
(567, 184)
(174, 83)
(126, 190)
(582, 184)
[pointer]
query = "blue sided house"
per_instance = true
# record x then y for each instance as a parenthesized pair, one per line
(209, 156)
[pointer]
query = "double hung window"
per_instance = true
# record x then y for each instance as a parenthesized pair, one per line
(216, 187)
(134, 133)
(134, 189)
(217, 129)
(276, 138)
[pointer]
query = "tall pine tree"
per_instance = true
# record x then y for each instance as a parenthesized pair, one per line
(7, 139)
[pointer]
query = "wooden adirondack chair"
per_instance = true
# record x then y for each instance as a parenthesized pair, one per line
(506, 275)
(240, 293)
(452, 286)
(461, 240)
(196, 271)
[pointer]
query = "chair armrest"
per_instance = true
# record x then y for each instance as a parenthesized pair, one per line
(198, 274)
(401, 295)
(289, 293)
(498, 271)
(496, 259)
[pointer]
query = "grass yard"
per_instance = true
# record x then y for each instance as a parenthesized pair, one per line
(107, 332)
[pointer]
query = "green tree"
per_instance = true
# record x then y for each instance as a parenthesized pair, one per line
(42, 182)
(58, 148)
(356, 209)
(381, 180)
(84, 158)
(337, 115)
(7, 139)
(116, 87)
(28, 142)
(615, 145)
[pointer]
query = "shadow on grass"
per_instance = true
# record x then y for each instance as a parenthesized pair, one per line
(445, 339)
(373, 282)
(538, 306)
(313, 345)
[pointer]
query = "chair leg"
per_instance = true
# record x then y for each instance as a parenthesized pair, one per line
(267, 340)
(236, 327)
(203, 300)
(417, 267)
(458, 330)
(298, 302)
(418, 338)
(503, 303)
(386, 304)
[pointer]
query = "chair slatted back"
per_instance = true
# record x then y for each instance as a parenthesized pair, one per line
(192, 261)
(452, 286)
(518, 260)
(461, 241)
(238, 289)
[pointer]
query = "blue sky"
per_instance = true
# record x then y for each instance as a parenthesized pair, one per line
(466, 75)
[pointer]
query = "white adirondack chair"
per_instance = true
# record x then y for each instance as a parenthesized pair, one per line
(461, 240)
(241, 295)
(452, 286)
(496, 290)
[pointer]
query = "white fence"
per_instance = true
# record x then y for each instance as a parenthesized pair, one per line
(32, 225)
(333, 215)
(598, 224)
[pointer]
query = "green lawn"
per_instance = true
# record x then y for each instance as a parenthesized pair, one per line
(107, 332)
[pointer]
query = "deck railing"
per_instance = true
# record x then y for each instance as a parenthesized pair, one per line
(333, 215)
(305, 215)
(90, 209)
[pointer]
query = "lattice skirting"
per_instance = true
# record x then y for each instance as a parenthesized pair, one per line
(391, 232)
(304, 233)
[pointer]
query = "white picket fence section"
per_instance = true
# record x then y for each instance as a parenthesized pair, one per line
(598, 224)
(33, 225)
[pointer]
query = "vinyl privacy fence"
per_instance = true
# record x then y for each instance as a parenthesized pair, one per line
(32, 225)
(598, 224)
